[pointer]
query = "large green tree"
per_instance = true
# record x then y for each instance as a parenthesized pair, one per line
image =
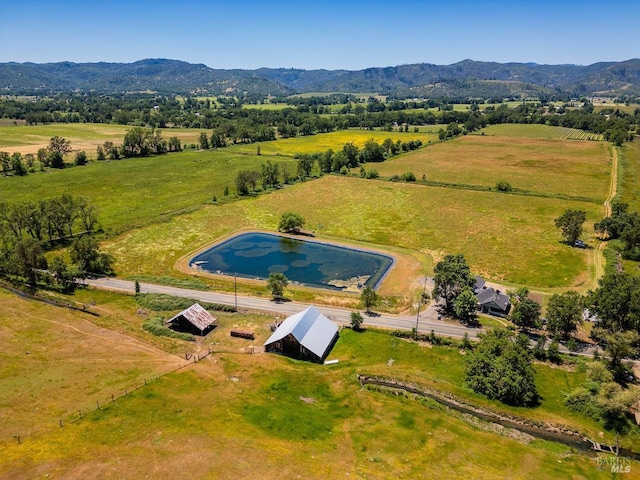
(290, 222)
(452, 275)
(564, 313)
(85, 253)
(465, 307)
(526, 312)
(276, 283)
(616, 302)
(500, 368)
(571, 224)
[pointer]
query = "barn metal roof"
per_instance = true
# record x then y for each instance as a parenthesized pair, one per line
(310, 328)
(197, 316)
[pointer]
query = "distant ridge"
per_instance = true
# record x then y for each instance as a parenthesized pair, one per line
(465, 78)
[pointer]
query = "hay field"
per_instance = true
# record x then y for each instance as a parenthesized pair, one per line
(83, 136)
(547, 166)
(241, 416)
(505, 237)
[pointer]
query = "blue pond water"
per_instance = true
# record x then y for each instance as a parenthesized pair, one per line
(256, 255)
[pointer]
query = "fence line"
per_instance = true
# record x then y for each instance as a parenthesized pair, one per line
(74, 418)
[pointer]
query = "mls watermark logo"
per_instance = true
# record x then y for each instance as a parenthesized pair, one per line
(615, 464)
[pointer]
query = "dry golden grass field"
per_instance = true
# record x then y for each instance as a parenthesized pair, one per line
(548, 166)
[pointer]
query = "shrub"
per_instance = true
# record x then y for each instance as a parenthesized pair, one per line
(408, 177)
(155, 326)
(161, 302)
(372, 174)
(503, 186)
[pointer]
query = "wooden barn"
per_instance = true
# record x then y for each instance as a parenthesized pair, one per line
(195, 320)
(307, 335)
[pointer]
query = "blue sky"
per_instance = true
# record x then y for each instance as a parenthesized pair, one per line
(330, 34)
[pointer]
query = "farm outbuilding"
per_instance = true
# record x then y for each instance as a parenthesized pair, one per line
(195, 320)
(308, 335)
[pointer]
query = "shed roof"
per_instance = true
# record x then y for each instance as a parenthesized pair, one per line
(310, 328)
(197, 316)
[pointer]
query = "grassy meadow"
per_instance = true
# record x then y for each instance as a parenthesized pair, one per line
(83, 136)
(507, 237)
(162, 205)
(541, 165)
(234, 414)
(628, 191)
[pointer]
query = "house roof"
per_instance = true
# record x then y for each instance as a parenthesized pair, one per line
(197, 316)
(479, 284)
(310, 328)
(490, 295)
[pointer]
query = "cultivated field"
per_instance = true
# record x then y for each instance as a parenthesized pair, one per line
(233, 414)
(545, 166)
(539, 131)
(335, 140)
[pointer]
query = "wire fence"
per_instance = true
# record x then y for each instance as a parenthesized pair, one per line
(80, 411)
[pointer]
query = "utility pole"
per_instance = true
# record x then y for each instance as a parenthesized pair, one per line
(235, 289)
(424, 289)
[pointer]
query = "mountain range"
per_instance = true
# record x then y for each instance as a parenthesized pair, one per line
(467, 78)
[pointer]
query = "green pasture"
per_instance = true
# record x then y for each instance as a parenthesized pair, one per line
(539, 132)
(138, 191)
(540, 165)
(511, 238)
(234, 414)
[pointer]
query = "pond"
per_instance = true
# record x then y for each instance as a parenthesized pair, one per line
(311, 263)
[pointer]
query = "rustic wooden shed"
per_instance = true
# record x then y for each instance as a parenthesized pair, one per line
(194, 319)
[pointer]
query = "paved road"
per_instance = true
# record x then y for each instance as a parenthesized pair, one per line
(428, 319)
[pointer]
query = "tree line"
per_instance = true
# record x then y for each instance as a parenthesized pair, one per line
(29, 229)
(273, 175)
(305, 117)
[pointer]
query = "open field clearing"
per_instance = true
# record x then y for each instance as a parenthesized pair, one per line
(540, 131)
(599, 106)
(628, 191)
(234, 415)
(505, 237)
(83, 136)
(335, 140)
(137, 191)
(55, 361)
(579, 169)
